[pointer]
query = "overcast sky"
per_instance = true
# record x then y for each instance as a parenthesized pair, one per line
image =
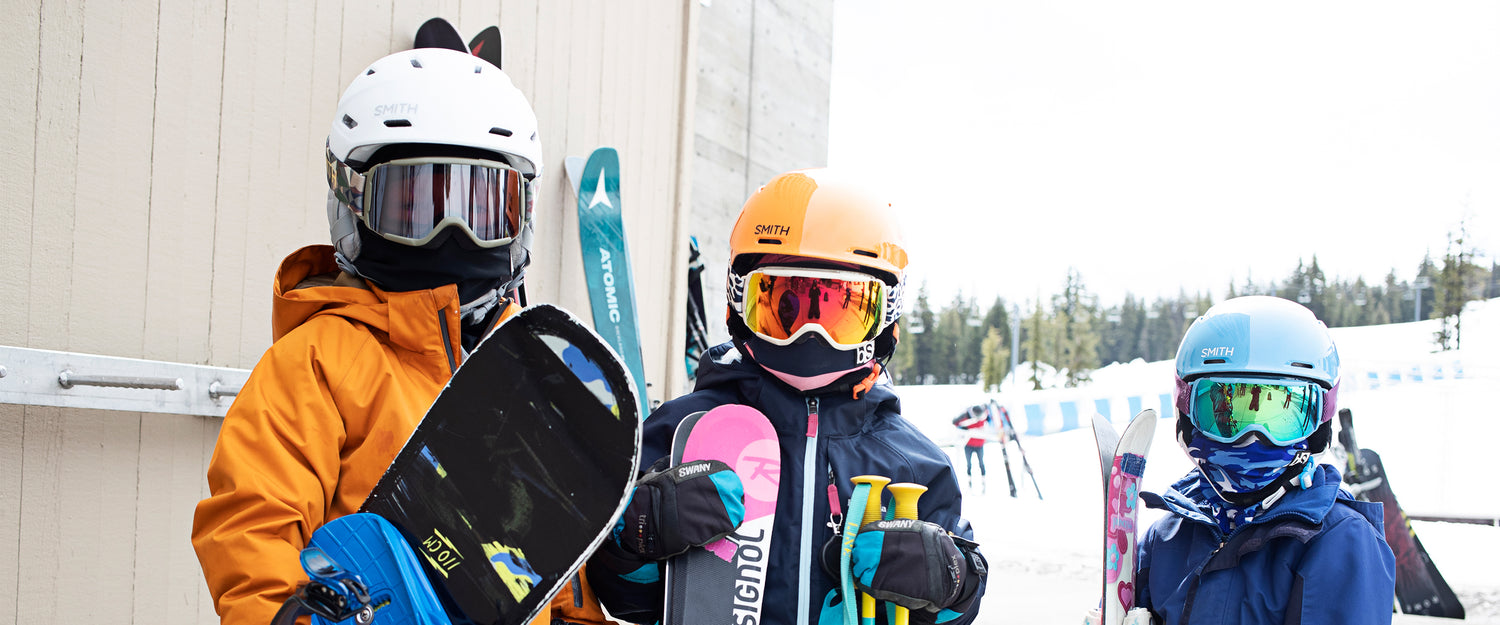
(1164, 145)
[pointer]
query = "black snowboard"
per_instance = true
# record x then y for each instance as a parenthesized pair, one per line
(1420, 588)
(519, 468)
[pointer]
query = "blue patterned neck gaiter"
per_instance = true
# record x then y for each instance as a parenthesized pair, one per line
(1244, 466)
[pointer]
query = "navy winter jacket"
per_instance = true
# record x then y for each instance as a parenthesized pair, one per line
(1316, 557)
(823, 437)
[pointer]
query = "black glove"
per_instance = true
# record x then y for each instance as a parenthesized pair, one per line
(916, 564)
(688, 505)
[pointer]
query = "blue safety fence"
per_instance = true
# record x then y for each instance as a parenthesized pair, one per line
(1059, 410)
(1069, 414)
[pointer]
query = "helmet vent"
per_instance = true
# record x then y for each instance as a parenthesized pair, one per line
(867, 253)
(478, 69)
(397, 123)
(369, 71)
(770, 241)
(349, 122)
(1302, 365)
(1214, 361)
(416, 63)
(500, 131)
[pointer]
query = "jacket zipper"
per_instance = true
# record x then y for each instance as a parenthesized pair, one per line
(809, 490)
(1192, 596)
(447, 341)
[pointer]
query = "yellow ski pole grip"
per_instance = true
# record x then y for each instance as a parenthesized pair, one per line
(905, 497)
(872, 514)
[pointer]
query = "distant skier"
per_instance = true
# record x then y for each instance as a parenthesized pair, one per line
(432, 228)
(1259, 533)
(819, 381)
(974, 422)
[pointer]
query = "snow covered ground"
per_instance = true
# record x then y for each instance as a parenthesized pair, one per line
(1436, 436)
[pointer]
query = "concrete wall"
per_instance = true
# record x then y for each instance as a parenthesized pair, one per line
(762, 109)
(160, 157)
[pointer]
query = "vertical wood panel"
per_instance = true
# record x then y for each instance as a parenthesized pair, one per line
(185, 140)
(112, 192)
(265, 204)
(236, 117)
(683, 159)
(208, 438)
(324, 90)
(18, 72)
(408, 15)
(662, 135)
(12, 435)
(638, 138)
(475, 15)
(366, 38)
(519, 27)
(302, 138)
(550, 97)
(50, 290)
(39, 515)
(168, 580)
(580, 71)
(674, 250)
(79, 486)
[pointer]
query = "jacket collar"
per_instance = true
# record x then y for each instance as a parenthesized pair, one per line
(1308, 505)
(309, 284)
(839, 413)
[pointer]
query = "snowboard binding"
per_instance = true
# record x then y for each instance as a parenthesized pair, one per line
(332, 594)
(379, 576)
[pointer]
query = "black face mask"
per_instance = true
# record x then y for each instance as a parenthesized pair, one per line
(450, 258)
(810, 365)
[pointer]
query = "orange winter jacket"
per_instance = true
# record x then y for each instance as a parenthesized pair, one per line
(325, 411)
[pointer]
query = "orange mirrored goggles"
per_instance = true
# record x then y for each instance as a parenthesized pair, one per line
(784, 303)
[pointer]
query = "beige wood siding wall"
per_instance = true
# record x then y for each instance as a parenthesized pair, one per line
(159, 157)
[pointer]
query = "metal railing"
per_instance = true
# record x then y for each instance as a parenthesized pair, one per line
(39, 377)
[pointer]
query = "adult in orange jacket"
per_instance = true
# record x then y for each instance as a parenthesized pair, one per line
(432, 160)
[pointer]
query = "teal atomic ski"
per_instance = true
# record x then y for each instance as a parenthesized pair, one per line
(606, 262)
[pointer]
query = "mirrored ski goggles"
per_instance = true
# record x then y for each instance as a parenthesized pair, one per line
(1285, 411)
(411, 200)
(784, 303)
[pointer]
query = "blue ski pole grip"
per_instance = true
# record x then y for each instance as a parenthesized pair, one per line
(857, 501)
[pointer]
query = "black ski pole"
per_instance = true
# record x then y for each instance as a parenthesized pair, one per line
(1005, 456)
(1005, 420)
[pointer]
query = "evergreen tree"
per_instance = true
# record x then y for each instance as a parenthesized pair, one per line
(1395, 293)
(1454, 286)
(996, 360)
(923, 321)
(1036, 330)
(1075, 310)
(997, 319)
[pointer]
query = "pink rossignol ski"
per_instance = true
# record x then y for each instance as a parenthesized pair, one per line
(724, 581)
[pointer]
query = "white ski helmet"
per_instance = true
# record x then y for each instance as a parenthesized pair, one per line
(428, 96)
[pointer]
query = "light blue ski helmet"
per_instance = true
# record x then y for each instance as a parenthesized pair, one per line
(1263, 337)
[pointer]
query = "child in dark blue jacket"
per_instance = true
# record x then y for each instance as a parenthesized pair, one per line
(1260, 533)
(816, 269)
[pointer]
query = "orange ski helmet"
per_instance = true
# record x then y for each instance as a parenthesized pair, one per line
(820, 215)
(817, 213)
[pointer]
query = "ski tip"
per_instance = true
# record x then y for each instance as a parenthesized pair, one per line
(1101, 423)
(439, 33)
(573, 167)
